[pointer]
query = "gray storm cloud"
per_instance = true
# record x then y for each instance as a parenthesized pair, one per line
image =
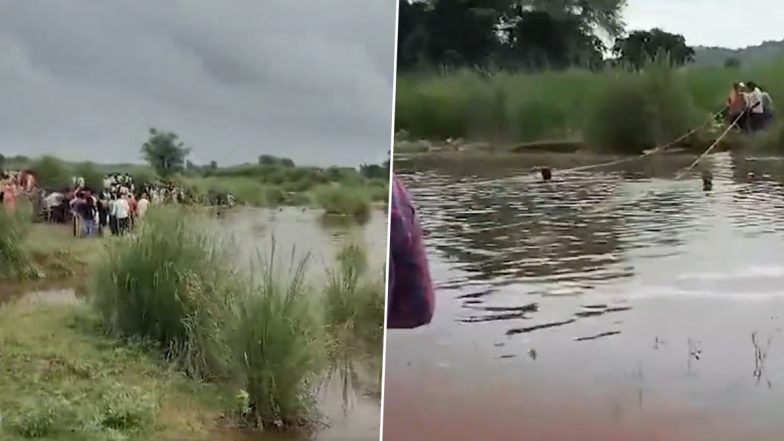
(310, 80)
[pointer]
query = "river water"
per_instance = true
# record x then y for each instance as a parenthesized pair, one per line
(294, 230)
(610, 305)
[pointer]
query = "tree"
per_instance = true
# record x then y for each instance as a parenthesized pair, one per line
(213, 165)
(93, 179)
(2, 162)
(514, 33)
(640, 47)
(732, 63)
(165, 153)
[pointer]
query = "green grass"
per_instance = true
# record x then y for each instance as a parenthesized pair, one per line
(278, 345)
(354, 315)
(63, 380)
(170, 286)
(522, 107)
(14, 260)
(346, 201)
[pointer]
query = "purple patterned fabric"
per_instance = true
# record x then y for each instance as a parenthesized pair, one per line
(411, 298)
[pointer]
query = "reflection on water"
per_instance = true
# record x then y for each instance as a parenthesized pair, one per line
(624, 295)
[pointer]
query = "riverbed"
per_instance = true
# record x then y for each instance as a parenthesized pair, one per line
(613, 304)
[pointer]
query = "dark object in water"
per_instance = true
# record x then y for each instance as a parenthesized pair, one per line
(547, 174)
(707, 181)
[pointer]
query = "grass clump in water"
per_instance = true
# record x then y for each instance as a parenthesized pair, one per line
(169, 286)
(278, 349)
(354, 312)
(344, 201)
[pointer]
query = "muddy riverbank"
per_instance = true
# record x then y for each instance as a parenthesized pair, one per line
(616, 304)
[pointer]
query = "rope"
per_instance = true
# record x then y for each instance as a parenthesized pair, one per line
(706, 152)
(622, 160)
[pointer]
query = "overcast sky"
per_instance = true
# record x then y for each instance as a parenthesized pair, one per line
(310, 80)
(726, 23)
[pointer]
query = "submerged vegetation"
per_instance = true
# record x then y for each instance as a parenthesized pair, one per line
(174, 340)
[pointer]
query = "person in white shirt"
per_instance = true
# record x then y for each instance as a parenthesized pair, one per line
(142, 205)
(121, 211)
(755, 106)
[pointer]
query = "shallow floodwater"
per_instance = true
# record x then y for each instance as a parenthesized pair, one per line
(306, 232)
(609, 305)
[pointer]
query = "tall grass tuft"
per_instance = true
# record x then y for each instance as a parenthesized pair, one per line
(354, 312)
(14, 261)
(278, 348)
(169, 286)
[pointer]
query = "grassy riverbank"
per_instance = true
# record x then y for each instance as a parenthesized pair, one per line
(170, 340)
(613, 109)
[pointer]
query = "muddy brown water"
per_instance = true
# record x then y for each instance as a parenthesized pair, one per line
(606, 305)
(297, 231)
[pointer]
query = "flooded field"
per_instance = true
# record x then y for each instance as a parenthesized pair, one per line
(620, 304)
(252, 231)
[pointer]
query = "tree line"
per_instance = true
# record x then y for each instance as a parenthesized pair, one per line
(527, 35)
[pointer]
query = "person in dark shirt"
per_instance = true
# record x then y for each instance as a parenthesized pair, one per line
(411, 298)
(86, 208)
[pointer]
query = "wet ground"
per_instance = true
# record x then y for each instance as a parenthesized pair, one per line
(610, 305)
(305, 232)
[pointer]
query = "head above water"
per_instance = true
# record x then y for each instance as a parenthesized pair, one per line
(547, 174)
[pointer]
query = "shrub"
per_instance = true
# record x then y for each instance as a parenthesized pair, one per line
(14, 261)
(343, 200)
(170, 286)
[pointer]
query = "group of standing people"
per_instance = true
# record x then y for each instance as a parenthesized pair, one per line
(750, 107)
(117, 211)
(12, 184)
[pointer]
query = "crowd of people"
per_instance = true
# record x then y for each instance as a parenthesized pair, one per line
(750, 107)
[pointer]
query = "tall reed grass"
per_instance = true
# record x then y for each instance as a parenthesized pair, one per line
(278, 347)
(354, 314)
(170, 286)
(266, 333)
(14, 260)
(521, 107)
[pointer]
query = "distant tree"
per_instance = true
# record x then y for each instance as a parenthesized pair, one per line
(2, 162)
(267, 160)
(213, 165)
(165, 153)
(732, 63)
(286, 162)
(640, 47)
(52, 174)
(93, 179)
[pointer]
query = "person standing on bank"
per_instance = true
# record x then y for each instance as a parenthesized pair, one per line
(411, 298)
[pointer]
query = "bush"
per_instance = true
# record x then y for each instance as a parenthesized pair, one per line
(278, 349)
(342, 200)
(639, 111)
(169, 286)
(40, 417)
(53, 174)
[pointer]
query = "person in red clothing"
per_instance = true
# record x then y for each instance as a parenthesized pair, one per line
(411, 300)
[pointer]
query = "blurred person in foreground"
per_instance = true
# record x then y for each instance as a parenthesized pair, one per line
(411, 298)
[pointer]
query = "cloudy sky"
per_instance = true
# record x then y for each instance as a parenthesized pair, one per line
(726, 23)
(310, 80)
